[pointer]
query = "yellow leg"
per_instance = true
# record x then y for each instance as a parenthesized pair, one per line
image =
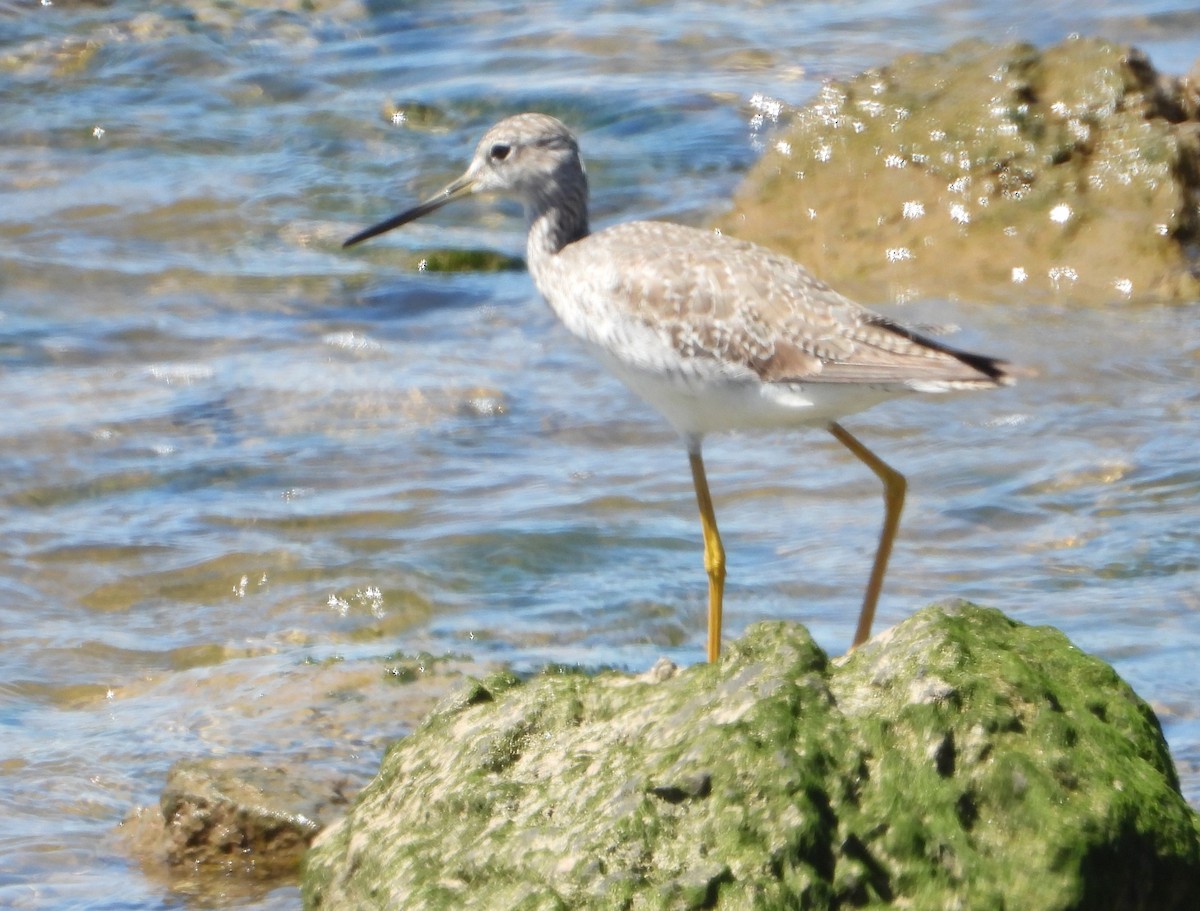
(714, 553)
(894, 487)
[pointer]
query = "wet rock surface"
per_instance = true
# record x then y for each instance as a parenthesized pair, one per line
(958, 760)
(230, 828)
(237, 811)
(990, 172)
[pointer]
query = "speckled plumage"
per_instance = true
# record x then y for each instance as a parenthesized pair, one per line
(716, 333)
(715, 298)
(676, 311)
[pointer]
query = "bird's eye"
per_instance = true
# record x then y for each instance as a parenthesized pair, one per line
(500, 151)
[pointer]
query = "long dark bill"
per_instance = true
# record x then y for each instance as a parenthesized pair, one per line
(460, 187)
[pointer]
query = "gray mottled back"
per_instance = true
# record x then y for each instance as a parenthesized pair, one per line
(714, 297)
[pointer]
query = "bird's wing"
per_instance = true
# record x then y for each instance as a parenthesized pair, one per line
(719, 298)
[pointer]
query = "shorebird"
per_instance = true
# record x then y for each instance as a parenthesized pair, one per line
(715, 333)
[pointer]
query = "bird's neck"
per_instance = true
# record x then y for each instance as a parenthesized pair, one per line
(557, 217)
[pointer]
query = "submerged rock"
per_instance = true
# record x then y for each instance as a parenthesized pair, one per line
(961, 760)
(241, 816)
(990, 172)
(230, 830)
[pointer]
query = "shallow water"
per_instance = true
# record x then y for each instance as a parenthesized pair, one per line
(243, 470)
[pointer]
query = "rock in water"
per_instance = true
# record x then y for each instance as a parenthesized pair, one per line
(990, 172)
(960, 760)
(240, 815)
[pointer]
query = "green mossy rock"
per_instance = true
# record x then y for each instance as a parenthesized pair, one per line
(960, 760)
(990, 172)
(447, 260)
(451, 260)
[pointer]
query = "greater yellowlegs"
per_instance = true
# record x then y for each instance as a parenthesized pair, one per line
(715, 333)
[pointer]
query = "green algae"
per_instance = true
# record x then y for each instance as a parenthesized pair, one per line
(960, 760)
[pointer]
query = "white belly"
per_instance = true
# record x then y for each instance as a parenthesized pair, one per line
(699, 394)
(696, 402)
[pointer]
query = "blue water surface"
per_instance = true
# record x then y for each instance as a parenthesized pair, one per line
(242, 469)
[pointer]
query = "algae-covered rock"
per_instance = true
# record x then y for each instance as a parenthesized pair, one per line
(450, 260)
(990, 172)
(960, 760)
